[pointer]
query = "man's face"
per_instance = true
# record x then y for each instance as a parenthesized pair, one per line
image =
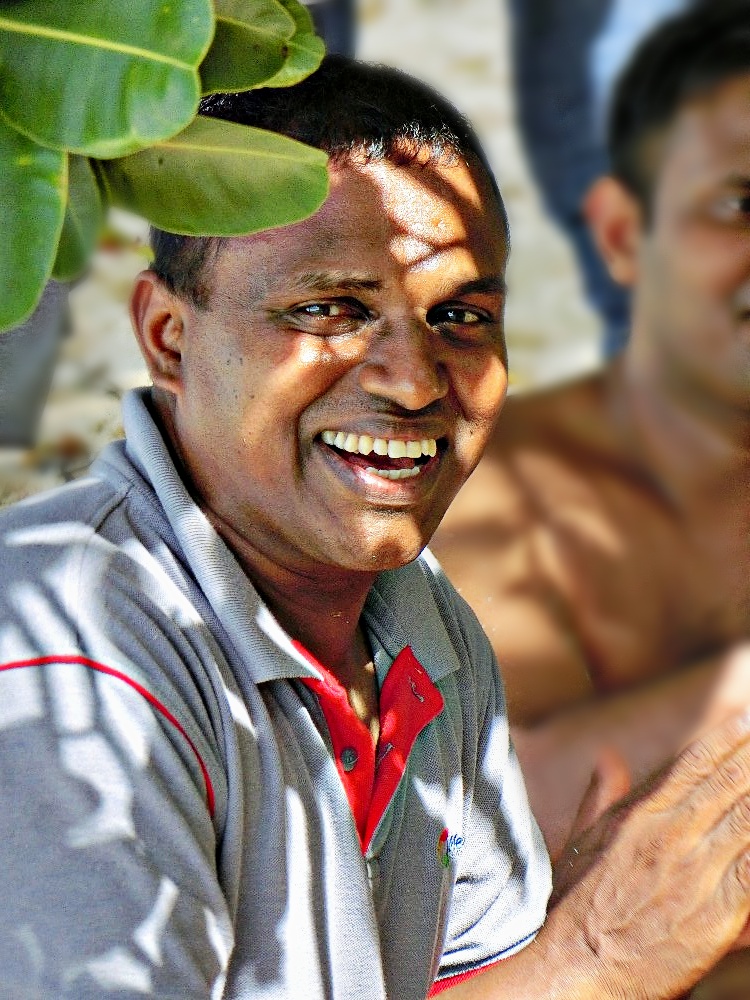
(376, 325)
(692, 299)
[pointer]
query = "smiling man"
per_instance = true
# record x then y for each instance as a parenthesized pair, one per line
(252, 743)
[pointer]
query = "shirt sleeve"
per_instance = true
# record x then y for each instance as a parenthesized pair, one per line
(503, 879)
(111, 789)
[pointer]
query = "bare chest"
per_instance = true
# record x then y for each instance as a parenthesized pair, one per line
(649, 589)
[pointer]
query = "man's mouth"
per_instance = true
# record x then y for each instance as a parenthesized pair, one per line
(389, 458)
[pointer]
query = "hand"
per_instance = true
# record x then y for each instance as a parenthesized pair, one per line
(659, 888)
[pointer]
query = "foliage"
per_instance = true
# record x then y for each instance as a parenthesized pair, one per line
(98, 106)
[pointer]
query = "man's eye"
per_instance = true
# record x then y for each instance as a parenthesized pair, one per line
(337, 315)
(333, 318)
(457, 316)
(733, 208)
(325, 309)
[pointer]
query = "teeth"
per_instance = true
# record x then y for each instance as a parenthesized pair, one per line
(364, 444)
(395, 473)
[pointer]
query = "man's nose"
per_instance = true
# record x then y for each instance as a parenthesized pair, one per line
(404, 365)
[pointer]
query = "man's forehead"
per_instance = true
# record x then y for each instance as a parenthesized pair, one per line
(419, 217)
(451, 273)
(714, 124)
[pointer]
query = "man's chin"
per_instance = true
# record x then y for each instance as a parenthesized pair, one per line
(389, 554)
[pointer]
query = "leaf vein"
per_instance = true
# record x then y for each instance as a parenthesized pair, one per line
(253, 28)
(71, 37)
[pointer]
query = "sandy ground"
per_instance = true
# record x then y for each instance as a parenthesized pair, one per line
(460, 46)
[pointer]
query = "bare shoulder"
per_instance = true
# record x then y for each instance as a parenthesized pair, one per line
(499, 542)
(561, 432)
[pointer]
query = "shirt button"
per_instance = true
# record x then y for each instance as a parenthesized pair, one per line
(348, 758)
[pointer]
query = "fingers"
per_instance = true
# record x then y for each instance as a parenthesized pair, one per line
(610, 781)
(721, 758)
(722, 801)
(732, 903)
(732, 838)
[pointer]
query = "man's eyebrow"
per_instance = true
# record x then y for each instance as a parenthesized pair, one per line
(493, 283)
(328, 281)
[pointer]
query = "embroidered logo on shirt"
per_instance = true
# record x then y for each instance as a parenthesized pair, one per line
(449, 846)
(415, 690)
(383, 753)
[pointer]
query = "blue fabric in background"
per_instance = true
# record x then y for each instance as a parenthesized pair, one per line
(567, 56)
(335, 22)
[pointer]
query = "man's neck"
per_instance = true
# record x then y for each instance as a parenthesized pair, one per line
(320, 608)
(321, 611)
(688, 444)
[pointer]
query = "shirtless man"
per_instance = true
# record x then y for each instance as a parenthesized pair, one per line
(604, 541)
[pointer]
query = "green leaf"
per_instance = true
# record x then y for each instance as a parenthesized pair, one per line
(101, 78)
(82, 222)
(305, 48)
(249, 45)
(32, 202)
(301, 16)
(220, 179)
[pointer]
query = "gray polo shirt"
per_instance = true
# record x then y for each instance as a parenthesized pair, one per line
(185, 813)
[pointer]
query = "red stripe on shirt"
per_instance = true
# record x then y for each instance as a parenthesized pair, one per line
(445, 984)
(461, 977)
(84, 661)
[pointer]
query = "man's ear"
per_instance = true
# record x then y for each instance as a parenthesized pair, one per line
(615, 218)
(158, 317)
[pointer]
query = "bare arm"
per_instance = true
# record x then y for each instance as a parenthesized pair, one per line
(647, 726)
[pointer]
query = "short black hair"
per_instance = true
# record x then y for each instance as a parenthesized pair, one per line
(686, 57)
(347, 109)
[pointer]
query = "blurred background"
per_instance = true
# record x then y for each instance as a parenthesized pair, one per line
(463, 47)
